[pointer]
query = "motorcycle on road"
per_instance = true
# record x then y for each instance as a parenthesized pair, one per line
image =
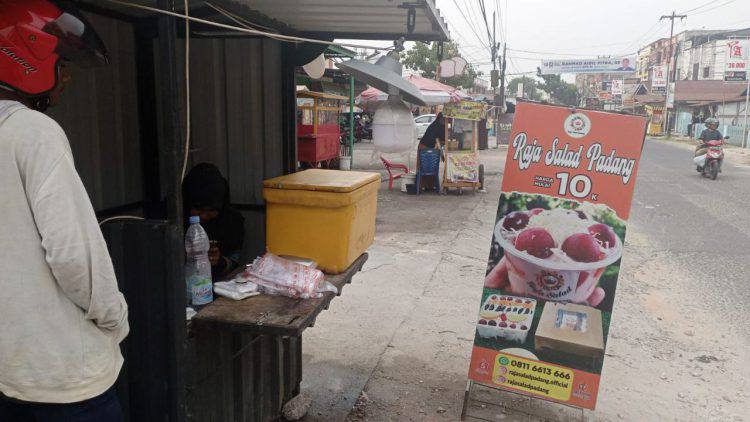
(709, 164)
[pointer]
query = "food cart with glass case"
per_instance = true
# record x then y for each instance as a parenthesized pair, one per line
(318, 132)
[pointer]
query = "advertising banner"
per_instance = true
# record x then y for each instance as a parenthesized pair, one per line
(605, 65)
(670, 95)
(466, 110)
(504, 125)
(555, 255)
(463, 167)
(735, 67)
(617, 86)
(659, 79)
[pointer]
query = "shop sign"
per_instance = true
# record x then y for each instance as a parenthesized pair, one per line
(735, 67)
(504, 126)
(617, 86)
(659, 79)
(547, 300)
(463, 167)
(466, 110)
(602, 65)
(670, 95)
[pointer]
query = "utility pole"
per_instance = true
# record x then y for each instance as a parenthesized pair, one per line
(671, 17)
(745, 132)
(494, 44)
(502, 79)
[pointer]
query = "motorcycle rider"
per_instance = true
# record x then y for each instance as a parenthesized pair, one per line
(711, 133)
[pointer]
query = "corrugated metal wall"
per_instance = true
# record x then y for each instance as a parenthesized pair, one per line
(237, 120)
(236, 86)
(99, 113)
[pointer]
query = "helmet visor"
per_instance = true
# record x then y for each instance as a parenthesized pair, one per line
(78, 42)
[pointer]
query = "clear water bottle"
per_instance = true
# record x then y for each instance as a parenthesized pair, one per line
(197, 266)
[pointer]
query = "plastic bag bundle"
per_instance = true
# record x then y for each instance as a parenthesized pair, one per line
(278, 276)
(236, 289)
(700, 160)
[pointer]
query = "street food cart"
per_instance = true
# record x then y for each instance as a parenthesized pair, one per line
(318, 132)
(462, 168)
(656, 120)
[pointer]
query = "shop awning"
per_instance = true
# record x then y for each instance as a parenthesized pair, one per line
(321, 19)
(709, 91)
(354, 19)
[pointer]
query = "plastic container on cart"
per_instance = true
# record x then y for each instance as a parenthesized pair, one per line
(324, 215)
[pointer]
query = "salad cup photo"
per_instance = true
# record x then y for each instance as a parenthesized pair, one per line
(556, 250)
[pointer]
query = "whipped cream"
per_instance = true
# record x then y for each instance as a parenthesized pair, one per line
(560, 223)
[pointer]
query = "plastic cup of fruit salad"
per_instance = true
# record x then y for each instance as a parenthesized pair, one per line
(557, 254)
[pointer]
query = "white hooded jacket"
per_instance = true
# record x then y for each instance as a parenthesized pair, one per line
(62, 316)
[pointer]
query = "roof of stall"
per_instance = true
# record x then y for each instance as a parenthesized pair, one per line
(352, 19)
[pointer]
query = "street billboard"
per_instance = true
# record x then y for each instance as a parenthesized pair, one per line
(603, 65)
(659, 79)
(555, 255)
(735, 65)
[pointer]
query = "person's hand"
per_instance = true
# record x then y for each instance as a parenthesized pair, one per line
(214, 254)
(498, 279)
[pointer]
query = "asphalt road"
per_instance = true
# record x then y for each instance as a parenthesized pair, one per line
(703, 225)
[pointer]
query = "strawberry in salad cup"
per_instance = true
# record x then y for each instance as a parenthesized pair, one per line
(557, 255)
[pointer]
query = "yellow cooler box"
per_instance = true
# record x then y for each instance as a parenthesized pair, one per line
(325, 215)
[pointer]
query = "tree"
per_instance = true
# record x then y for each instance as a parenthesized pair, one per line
(560, 92)
(531, 89)
(424, 58)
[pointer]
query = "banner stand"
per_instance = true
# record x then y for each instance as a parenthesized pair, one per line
(470, 388)
(555, 259)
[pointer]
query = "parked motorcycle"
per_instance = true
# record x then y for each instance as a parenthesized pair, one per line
(709, 164)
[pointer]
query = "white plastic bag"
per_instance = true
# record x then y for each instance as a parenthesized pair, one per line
(236, 290)
(700, 160)
(278, 276)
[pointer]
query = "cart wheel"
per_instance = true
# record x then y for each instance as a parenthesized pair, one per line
(460, 191)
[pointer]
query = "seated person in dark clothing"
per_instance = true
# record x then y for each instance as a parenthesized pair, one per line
(205, 193)
(435, 132)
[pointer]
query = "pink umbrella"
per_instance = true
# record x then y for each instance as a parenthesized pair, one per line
(433, 91)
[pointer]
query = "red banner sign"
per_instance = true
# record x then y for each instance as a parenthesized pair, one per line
(556, 249)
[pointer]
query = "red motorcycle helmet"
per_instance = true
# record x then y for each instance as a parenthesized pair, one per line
(35, 37)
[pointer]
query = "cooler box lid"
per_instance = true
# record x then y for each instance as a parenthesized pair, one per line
(323, 180)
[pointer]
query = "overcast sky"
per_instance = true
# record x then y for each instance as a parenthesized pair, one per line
(579, 28)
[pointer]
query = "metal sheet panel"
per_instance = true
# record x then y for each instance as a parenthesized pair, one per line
(100, 114)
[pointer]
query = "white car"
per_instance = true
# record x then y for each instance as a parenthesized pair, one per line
(423, 122)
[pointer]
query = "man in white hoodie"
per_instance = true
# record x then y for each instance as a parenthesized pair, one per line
(63, 316)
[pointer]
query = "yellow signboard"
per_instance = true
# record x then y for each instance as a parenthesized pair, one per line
(467, 110)
(535, 377)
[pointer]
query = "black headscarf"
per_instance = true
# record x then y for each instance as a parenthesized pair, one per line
(205, 187)
(435, 131)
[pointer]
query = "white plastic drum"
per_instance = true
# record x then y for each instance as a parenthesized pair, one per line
(393, 127)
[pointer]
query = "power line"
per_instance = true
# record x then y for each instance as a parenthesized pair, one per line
(476, 19)
(713, 8)
(471, 27)
(701, 6)
(549, 53)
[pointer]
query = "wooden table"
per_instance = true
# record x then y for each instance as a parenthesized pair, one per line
(245, 356)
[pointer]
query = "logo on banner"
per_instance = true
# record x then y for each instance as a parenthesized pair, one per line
(577, 125)
(735, 50)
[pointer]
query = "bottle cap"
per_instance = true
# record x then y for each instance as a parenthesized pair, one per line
(195, 219)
